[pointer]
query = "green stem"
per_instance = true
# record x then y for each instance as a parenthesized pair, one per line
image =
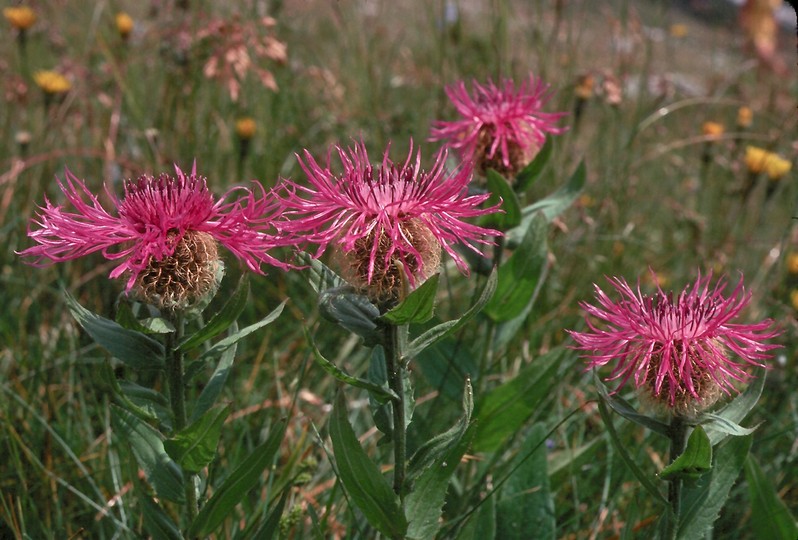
(395, 346)
(177, 398)
(678, 435)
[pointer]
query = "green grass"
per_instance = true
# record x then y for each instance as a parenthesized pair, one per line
(377, 71)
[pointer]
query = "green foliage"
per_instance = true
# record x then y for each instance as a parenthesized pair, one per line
(696, 460)
(194, 446)
(501, 193)
(418, 307)
(771, 519)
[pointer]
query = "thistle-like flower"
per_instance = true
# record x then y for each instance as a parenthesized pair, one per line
(682, 353)
(390, 220)
(164, 232)
(501, 127)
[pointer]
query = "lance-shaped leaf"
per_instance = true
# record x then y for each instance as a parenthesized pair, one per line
(155, 519)
(418, 307)
(520, 274)
(238, 484)
(364, 482)
(501, 192)
(696, 460)
(224, 344)
(351, 311)
(319, 275)
(213, 389)
(379, 392)
(531, 172)
(770, 517)
(735, 411)
(133, 348)
(437, 333)
(194, 446)
(625, 409)
(221, 320)
(147, 445)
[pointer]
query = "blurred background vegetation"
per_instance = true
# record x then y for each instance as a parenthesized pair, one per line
(241, 87)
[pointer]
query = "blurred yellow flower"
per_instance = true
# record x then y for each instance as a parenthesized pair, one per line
(246, 128)
(745, 117)
(678, 30)
(794, 299)
(20, 17)
(584, 86)
(792, 263)
(124, 24)
(52, 82)
(760, 160)
(713, 129)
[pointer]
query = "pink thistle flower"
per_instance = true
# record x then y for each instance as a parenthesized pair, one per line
(157, 219)
(678, 352)
(384, 214)
(500, 127)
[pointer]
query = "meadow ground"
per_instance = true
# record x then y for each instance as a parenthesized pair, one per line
(660, 194)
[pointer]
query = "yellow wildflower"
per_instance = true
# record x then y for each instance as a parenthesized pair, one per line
(713, 130)
(678, 30)
(124, 24)
(584, 86)
(246, 128)
(792, 263)
(52, 82)
(759, 160)
(745, 117)
(20, 17)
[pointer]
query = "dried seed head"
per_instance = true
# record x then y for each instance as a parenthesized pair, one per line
(186, 280)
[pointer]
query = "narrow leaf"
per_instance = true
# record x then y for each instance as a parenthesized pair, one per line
(221, 320)
(146, 443)
(770, 517)
(238, 484)
(133, 348)
(231, 340)
(723, 425)
(351, 311)
(319, 275)
(644, 480)
(156, 521)
(703, 500)
(418, 307)
(271, 527)
(520, 274)
(738, 408)
(625, 409)
(696, 460)
(213, 389)
(377, 391)
(194, 447)
(437, 333)
(531, 172)
(501, 192)
(362, 479)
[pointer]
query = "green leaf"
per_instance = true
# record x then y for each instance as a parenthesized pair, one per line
(525, 508)
(194, 446)
(213, 389)
(437, 333)
(379, 392)
(620, 447)
(703, 499)
(695, 461)
(418, 307)
(531, 172)
(723, 425)
(319, 275)
(221, 320)
(446, 365)
(145, 401)
(231, 340)
(157, 325)
(156, 521)
(770, 517)
(507, 407)
(520, 275)
(737, 409)
(133, 348)
(625, 409)
(271, 526)
(351, 311)
(564, 463)
(381, 410)
(551, 206)
(238, 484)
(437, 447)
(501, 192)
(146, 443)
(127, 319)
(483, 525)
(366, 486)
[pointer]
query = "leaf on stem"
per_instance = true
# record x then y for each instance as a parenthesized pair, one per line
(733, 413)
(351, 311)
(501, 192)
(222, 319)
(133, 348)
(695, 461)
(531, 172)
(231, 340)
(625, 409)
(194, 446)
(418, 307)
(362, 479)
(770, 517)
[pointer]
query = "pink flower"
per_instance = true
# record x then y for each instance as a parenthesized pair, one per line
(385, 213)
(151, 221)
(680, 352)
(498, 119)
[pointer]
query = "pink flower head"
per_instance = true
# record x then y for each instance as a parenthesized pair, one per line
(384, 210)
(150, 221)
(679, 351)
(498, 119)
